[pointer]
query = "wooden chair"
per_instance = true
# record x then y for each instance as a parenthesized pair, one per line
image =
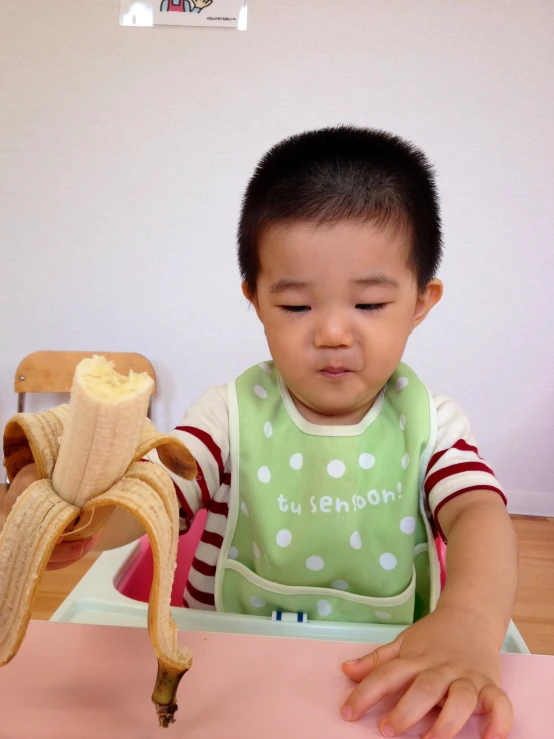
(52, 372)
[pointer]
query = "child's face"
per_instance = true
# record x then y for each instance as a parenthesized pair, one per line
(338, 304)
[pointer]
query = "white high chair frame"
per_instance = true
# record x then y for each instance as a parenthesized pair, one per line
(96, 600)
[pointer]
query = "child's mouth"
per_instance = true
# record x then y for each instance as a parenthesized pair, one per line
(334, 372)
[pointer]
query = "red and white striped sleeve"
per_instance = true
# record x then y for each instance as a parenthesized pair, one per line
(456, 466)
(205, 431)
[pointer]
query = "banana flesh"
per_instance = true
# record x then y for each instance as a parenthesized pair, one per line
(87, 455)
(106, 412)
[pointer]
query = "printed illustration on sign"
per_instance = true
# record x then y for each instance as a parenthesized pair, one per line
(185, 6)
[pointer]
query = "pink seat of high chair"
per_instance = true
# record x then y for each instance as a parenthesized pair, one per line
(441, 552)
(136, 582)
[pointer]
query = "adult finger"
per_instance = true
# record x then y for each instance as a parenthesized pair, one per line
(386, 680)
(422, 696)
(358, 669)
(461, 702)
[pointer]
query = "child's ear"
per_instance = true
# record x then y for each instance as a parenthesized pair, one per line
(252, 299)
(426, 300)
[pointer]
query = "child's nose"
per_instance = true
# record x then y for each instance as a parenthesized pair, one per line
(332, 331)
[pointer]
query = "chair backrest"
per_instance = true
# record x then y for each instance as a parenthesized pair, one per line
(52, 372)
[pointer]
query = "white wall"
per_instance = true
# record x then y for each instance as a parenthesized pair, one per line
(125, 152)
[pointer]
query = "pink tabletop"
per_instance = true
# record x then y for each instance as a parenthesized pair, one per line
(89, 682)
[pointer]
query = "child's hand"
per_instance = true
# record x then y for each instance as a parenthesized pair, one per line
(447, 658)
(64, 553)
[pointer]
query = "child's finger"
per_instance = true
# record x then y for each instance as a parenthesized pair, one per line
(72, 550)
(8, 502)
(67, 550)
(388, 679)
(358, 669)
(495, 702)
(51, 566)
(461, 702)
(424, 694)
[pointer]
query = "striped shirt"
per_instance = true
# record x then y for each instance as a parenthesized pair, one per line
(454, 468)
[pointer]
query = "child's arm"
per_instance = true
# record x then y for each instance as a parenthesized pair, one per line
(121, 528)
(204, 429)
(482, 560)
(453, 653)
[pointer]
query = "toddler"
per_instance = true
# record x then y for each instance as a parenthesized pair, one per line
(328, 471)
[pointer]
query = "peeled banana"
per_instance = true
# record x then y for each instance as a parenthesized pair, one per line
(87, 457)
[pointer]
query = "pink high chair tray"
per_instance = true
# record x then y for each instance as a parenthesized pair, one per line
(73, 681)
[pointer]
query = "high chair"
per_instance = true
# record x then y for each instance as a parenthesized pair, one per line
(52, 372)
(115, 591)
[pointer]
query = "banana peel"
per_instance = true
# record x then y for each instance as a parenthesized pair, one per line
(41, 516)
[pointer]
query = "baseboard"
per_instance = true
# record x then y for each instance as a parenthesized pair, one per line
(531, 504)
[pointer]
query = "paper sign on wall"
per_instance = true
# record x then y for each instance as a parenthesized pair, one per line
(198, 13)
(225, 13)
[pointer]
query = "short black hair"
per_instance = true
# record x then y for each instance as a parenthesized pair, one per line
(343, 173)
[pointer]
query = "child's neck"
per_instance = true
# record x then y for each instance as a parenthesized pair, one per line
(350, 418)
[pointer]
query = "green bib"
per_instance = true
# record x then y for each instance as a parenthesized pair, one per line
(329, 520)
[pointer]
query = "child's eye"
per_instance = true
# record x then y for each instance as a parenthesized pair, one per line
(295, 308)
(371, 307)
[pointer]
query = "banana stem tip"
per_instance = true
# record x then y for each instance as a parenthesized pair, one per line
(166, 714)
(165, 694)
